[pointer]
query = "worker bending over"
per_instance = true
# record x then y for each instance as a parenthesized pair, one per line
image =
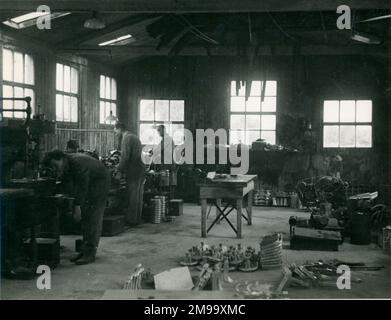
(88, 181)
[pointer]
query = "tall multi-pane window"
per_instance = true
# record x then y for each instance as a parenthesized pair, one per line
(18, 81)
(67, 93)
(255, 117)
(347, 124)
(108, 99)
(152, 112)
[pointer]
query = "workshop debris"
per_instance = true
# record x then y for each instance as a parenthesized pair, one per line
(319, 274)
(204, 276)
(138, 278)
(253, 289)
(271, 251)
(312, 239)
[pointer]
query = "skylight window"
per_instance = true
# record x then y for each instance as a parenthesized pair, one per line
(117, 41)
(29, 19)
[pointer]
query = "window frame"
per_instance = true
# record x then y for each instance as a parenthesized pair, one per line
(260, 113)
(108, 100)
(139, 122)
(354, 124)
(14, 84)
(69, 94)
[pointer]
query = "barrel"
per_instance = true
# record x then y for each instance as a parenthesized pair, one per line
(360, 228)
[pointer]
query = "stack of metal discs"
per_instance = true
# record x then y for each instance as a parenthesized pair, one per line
(156, 207)
(271, 251)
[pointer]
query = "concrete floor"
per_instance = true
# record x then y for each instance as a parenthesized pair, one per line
(160, 246)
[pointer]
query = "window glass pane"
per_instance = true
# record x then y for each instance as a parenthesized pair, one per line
(67, 109)
(102, 111)
(107, 111)
(252, 135)
(113, 89)
(114, 109)
(177, 131)
(237, 104)
(268, 122)
(19, 93)
(269, 104)
(8, 92)
(253, 122)
(162, 110)
(269, 136)
(241, 92)
(364, 136)
(237, 136)
(347, 136)
(108, 88)
(18, 67)
(67, 79)
(364, 111)
(271, 88)
(237, 122)
(8, 63)
(331, 136)
(30, 93)
(59, 77)
(253, 104)
(147, 133)
(177, 110)
(73, 109)
(102, 90)
(74, 80)
(331, 111)
(347, 111)
(255, 88)
(59, 107)
(28, 69)
(147, 110)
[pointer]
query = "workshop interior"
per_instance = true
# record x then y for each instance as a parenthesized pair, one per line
(195, 149)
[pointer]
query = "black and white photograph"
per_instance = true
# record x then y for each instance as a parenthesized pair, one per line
(194, 156)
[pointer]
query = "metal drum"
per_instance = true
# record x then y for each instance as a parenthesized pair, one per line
(164, 180)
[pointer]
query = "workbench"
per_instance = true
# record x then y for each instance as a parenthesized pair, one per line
(232, 189)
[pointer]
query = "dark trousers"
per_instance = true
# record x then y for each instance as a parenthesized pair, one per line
(135, 198)
(92, 219)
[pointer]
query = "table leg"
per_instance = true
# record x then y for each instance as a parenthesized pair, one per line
(218, 204)
(250, 208)
(204, 207)
(239, 206)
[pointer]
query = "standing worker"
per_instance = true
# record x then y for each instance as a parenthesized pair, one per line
(88, 181)
(163, 157)
(132, 166)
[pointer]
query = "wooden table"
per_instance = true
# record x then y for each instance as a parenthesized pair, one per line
(233, 189)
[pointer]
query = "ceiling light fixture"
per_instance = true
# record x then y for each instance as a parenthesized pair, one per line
(30, 19)
(111, 119)
(119, 41)
(94, 22)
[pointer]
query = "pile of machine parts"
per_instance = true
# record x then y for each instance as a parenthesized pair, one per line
(321, 273)
(241, 258)
(140, 278)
